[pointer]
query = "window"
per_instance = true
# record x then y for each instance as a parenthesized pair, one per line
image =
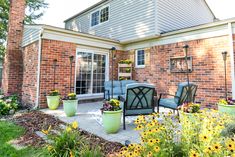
(95, 18)
(100, 16)
(140, 58)
(104, 14)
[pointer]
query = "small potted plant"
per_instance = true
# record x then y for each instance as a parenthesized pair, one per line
(227, 106)
(187, 109)
(53, 99)
(70, 104)
(111, 116)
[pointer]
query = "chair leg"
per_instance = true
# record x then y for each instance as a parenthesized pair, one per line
(157, 108)
(124, 122)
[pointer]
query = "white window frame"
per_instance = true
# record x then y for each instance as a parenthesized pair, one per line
(98, 18)
(100, 23)
(136, 59)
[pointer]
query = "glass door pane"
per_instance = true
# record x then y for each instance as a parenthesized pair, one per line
(84, 73)
(99, 68)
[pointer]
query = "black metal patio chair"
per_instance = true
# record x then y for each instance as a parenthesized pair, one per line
(139, 100)
(185, 93)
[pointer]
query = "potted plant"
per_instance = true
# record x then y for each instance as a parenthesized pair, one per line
(53, 100)
(187, 109)
(125, 62)
(227, 106)
(111, 116)
(70, 104)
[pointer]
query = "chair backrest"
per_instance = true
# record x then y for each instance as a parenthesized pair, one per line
(140, 96)
(124, 84)
(185, 92)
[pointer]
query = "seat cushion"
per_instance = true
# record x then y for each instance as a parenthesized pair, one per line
(138, 112)
(168, 103)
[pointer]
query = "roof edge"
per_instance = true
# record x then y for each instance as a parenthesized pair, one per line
(86, 10)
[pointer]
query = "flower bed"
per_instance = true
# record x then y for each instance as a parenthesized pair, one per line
(194, 137)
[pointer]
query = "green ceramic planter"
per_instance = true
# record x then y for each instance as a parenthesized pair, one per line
(190, 116)
(53, 102)
(229, 109)
(70, 107)
(112, 121)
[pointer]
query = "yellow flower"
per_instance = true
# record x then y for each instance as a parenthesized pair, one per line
(230, 145)
(150, 154)
(139, 127)
(68, 129)
(208, 150)
(71, 154)
(151, 142)
(216, 147)
(49, 148)
(193, 153)
(157, 149)
(204, 137)
(46, 132)
(75, 125)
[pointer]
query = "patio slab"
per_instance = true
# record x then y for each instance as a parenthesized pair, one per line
(89, 119)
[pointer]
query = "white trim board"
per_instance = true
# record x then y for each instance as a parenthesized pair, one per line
(52, 35)
(181, 37)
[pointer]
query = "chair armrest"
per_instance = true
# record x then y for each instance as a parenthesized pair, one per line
(121, 98)
(168, 95)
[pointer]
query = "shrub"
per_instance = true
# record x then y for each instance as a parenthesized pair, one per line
(9, 104)
(125, 61)
(197, 135)
(68, 143)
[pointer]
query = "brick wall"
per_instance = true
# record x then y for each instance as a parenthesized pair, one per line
(30, 73)
(208, 69)
(60, 51)
(12, 67)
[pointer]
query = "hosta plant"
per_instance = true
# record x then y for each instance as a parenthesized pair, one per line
(9, 104)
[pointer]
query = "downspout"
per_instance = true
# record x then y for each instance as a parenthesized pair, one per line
(37, 105)
(231, 51)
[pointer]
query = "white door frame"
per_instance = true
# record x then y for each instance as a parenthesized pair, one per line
(97, 95)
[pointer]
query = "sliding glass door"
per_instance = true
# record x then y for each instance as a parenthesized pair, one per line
(90, 73)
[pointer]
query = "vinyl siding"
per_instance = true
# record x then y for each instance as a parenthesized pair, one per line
(178, 14)
(30, 35)
(128, 20)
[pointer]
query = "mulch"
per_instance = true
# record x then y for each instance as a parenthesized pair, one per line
(36, 121)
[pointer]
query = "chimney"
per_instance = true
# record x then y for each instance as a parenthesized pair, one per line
(13, 64)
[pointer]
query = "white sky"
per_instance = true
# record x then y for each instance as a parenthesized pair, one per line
(59, 10)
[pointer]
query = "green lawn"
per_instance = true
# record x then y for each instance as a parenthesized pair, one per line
(10, 131)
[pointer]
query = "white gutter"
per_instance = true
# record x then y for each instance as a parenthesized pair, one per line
(231, 52)
(37, 105)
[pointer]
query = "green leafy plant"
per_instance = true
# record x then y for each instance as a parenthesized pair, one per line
(54, 93)
(112, 105)
(9, 104)
(128, 70)
(196, 135)
(190, 108)
(125, 61)
(68, 143)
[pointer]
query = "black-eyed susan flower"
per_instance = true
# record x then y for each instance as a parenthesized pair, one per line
(156, 149)
(193, 153)
(139, 127)
(150, 154)
(216, 147)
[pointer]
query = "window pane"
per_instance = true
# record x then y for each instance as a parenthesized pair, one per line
(140, 57)
(95, 18)
(104, 14)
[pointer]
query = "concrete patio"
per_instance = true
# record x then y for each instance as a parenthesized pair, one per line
(89, 119)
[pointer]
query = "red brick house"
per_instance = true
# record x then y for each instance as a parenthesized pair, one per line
(33, 49)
